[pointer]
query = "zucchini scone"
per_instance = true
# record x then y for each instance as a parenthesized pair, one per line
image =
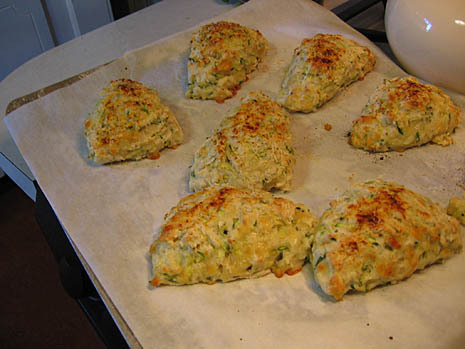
(378, 233)
(320, 68)
(252, 149)
(130, 123)
(225, 233)
(222, 54)
(403, 113)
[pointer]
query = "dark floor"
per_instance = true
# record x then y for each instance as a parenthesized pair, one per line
(35, 311)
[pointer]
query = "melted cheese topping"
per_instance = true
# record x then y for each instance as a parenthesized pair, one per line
(320, 68)
(377, 233)
(404, 113)
(221, 56)
(253, 149)
(130, 122)
(224, 234)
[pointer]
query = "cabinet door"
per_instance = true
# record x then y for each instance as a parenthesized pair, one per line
(24, 33)
(72, 18)
(92, 14)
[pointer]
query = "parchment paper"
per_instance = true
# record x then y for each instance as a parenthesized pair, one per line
(112, 213)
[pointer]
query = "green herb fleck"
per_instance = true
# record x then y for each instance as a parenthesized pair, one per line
(320, 259)
(367, 267)
(372, 241)
(169, 277)
(290, 150)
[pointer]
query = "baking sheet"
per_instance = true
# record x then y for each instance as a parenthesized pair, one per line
(112, 213)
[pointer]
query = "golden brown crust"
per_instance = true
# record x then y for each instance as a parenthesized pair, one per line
(377, 233)
(321, 67)
(404, 113)
(327, 53)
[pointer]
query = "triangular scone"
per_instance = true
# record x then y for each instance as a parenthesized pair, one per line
(379, 233)
(225, 234)
(320, 68)
(253, 149)
(221, 56)
(130, 123)
(404, 113)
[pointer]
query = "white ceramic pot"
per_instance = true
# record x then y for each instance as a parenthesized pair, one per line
(428, 39)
